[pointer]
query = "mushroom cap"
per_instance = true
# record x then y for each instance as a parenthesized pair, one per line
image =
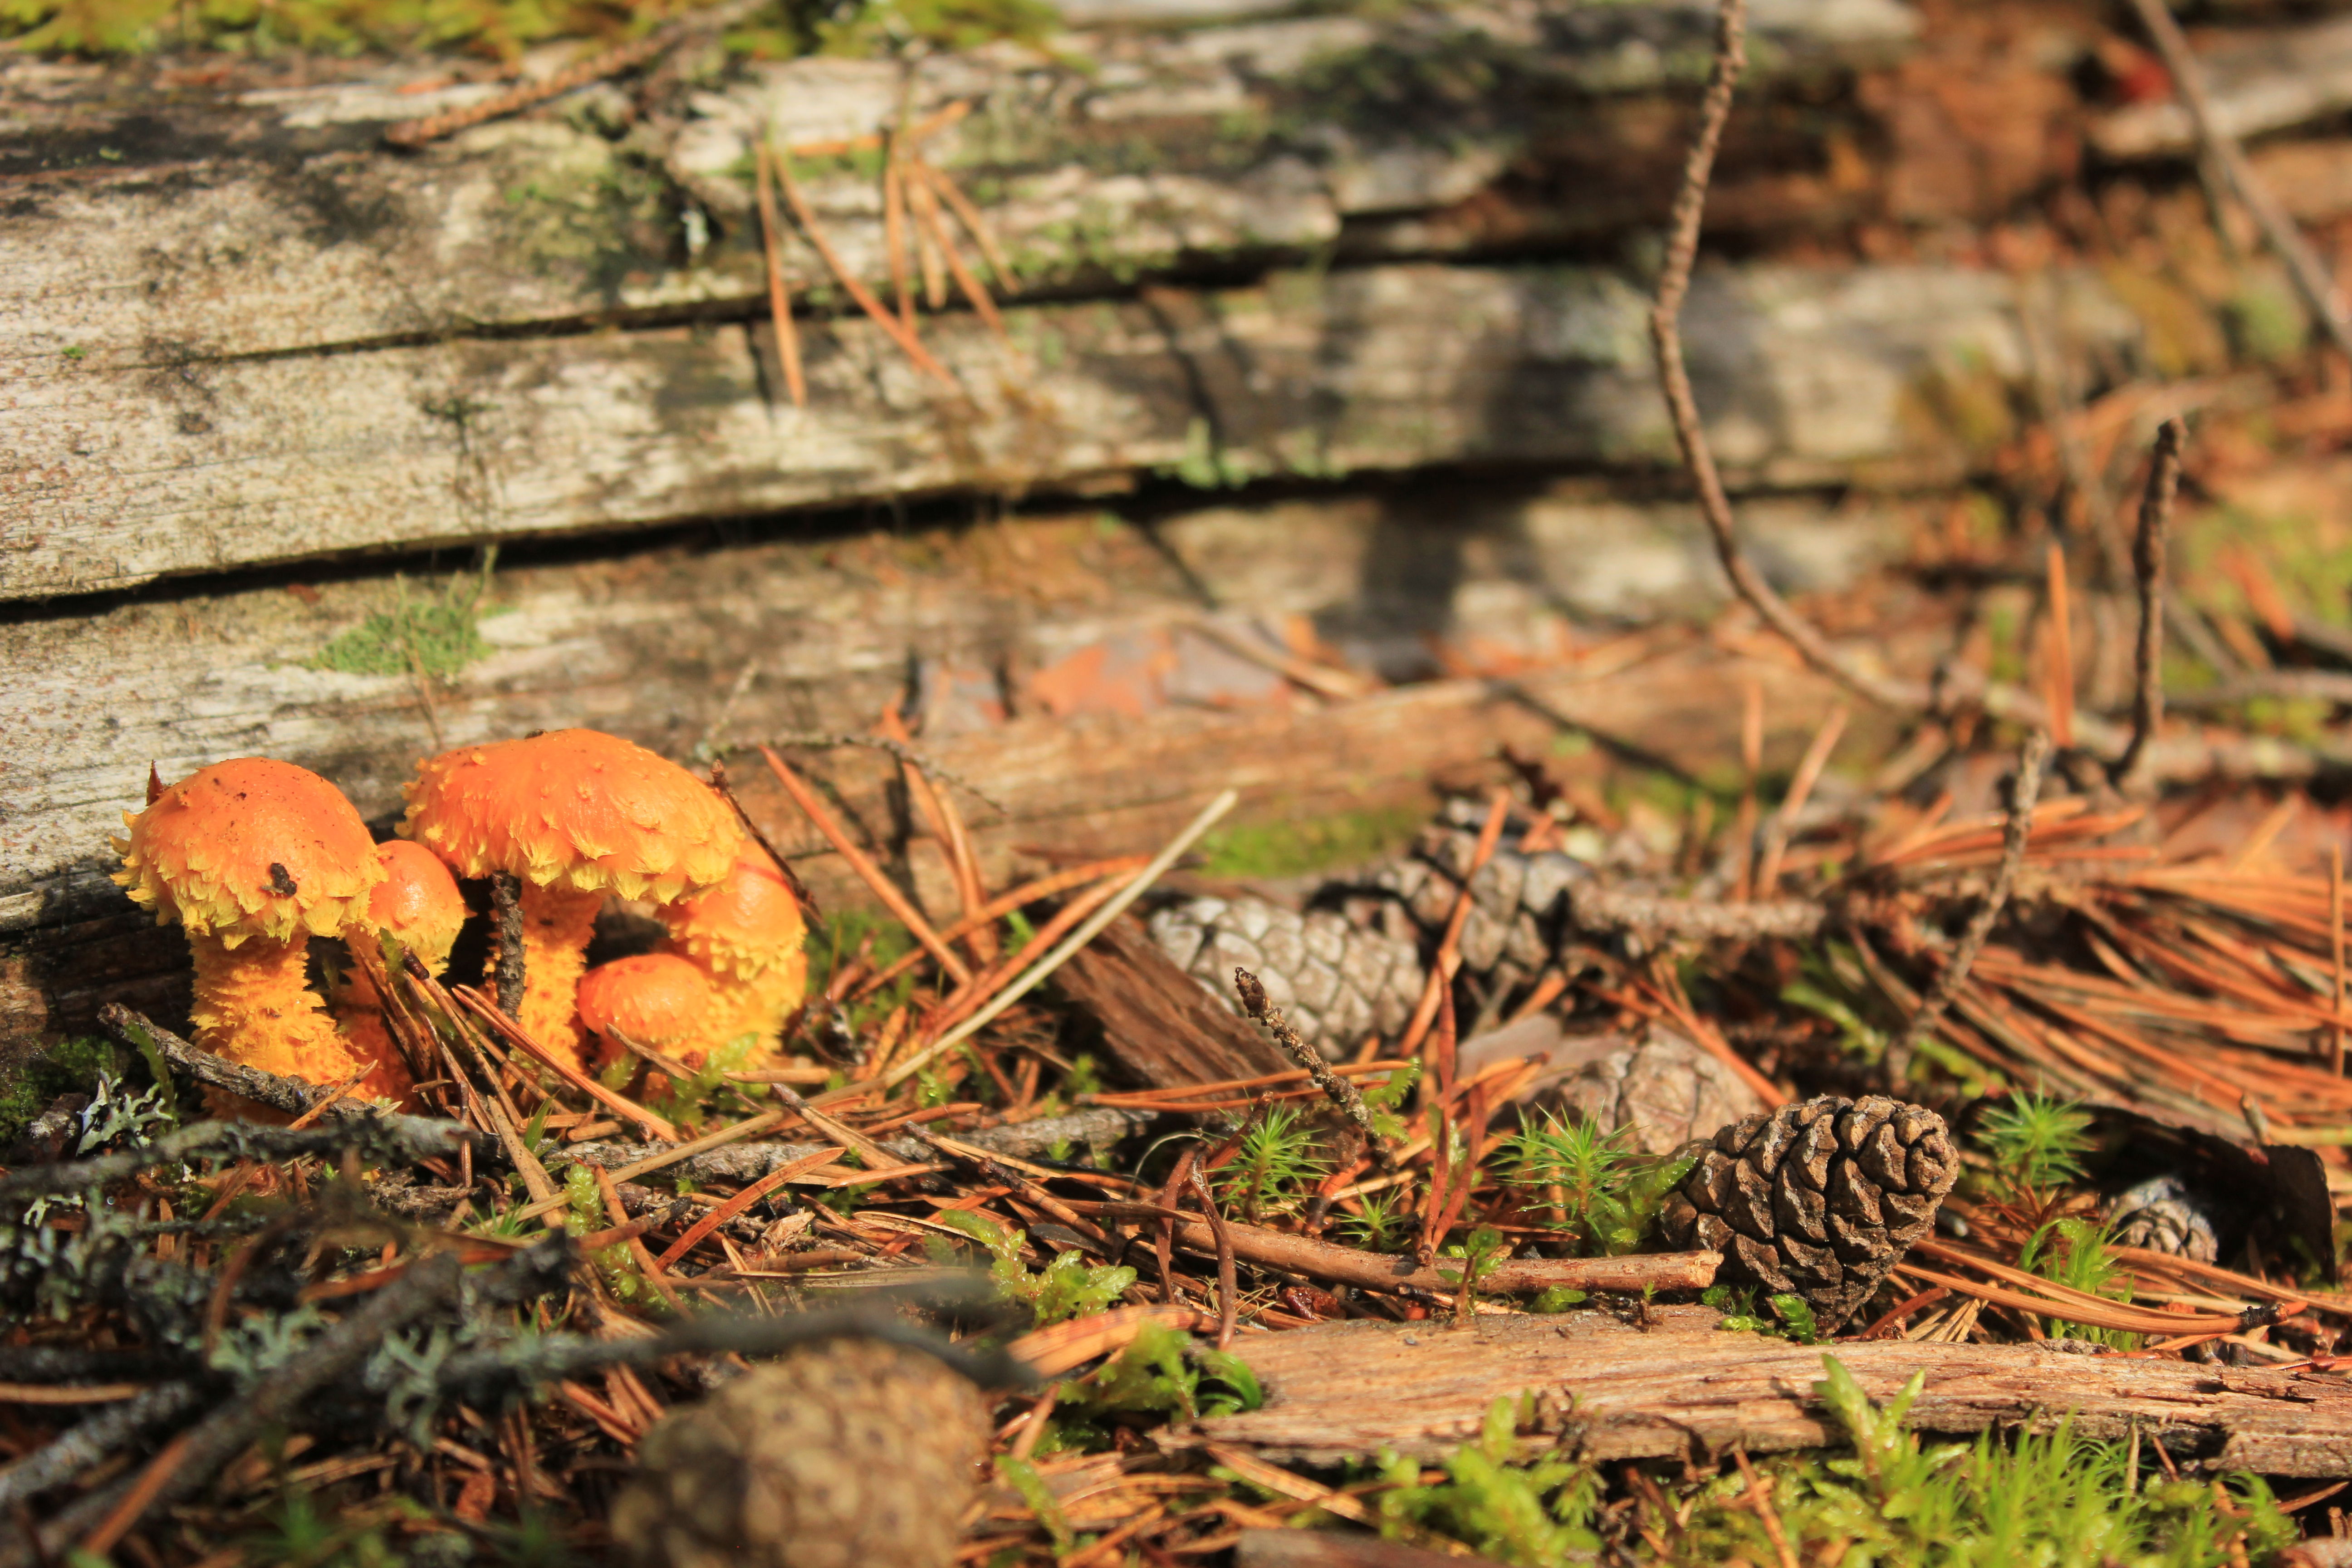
(418, 902)
(656, 999)
(746, 923)
(575, 810)
(249, 848)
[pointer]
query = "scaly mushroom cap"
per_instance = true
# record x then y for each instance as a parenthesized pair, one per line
(251, 848)
(417, 903)
(573, 810)
(745, 925)
(657, 999)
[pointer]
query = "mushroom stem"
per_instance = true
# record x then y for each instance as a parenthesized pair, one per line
(255, 1006)
(757, 1003)
(359, 1011)
(556, 926)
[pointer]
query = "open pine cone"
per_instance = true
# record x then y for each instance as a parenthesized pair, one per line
(1334, 982)
(849, 1454)
(1820, 1198)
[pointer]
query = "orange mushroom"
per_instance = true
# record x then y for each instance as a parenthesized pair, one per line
(417, 906)
(747, 936)
(254, 857)
(657, 1000)
(575, 813)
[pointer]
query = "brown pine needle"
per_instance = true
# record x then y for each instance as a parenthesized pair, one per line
(2062, 654)
(974, 291)
(1801, 789)
(2336, 951)
(893, 228)
(863, 864)
(929, 241)
(972, 221)
(780, 298)
(891, 326)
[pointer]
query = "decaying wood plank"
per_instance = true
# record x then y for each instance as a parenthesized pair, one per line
(258, 221)
(1157, 1023)
(110, 478)
(1683, 1387)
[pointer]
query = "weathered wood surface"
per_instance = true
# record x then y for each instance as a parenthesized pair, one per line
(1158, 1023)
(247, 221)
(1610, 1391)
(117, 476)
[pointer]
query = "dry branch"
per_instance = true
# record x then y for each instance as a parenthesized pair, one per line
(1305, 1255)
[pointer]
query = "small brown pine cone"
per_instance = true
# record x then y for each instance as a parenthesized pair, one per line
(1819, 1199)
(850, 1453)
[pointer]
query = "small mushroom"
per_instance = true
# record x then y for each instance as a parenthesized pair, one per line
(747, 936)
(657, 1000)
(575, 813)
(253, 858)
(419, 907)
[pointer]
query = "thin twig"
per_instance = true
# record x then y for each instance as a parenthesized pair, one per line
(1341, 1092)
(1940, 997)
(898, 748)
(1229, 1303)
(2304, 266)
(799, 890)
(2148, 569)
(595, 67)
(1681, 403)
(1758, 1497)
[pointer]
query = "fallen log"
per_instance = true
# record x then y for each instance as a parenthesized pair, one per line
(1681, 1387)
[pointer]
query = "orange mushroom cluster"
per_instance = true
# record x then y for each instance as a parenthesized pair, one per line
(254, 857)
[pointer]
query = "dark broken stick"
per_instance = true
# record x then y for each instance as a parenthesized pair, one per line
(2147, 568)
(2019, 827)
(290, 1095)
(1341, 1092)
(506, 898)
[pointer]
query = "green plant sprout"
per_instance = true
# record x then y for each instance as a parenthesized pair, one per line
(1607, 1196)
(1278, 1160)
(1506, 1502)
(1380, 1224)
(1069, 1287)
(2077, 1253)
(2036, 1145)
(1477, 1254)
(1161, 1376)
(1383, 1095)
(2052, 1498)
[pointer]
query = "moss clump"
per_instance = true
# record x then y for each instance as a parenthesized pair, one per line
(68, 1067)
(436, 637)
(1299, 849)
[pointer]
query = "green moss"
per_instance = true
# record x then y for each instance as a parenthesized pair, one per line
(438, 635)
(68, 1067)
(1298, 849)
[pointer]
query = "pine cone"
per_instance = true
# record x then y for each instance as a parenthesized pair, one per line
(1518, 903)
(1821, 1198)
(2164, 1213)
(1661, 1089)
(853, 1452)
(1334, 982)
